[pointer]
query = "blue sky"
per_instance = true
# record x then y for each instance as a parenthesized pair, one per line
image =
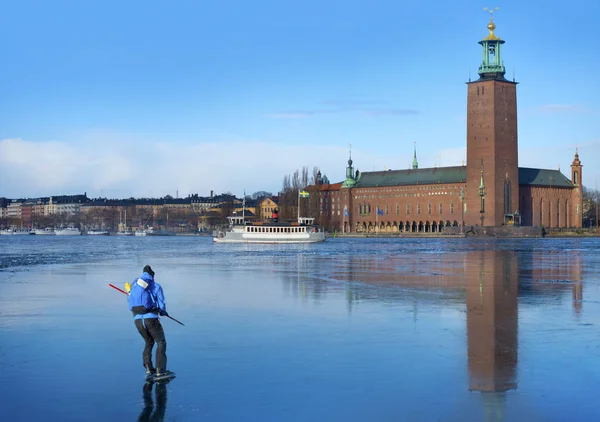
(148, 98)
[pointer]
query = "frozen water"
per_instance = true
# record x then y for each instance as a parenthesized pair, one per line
(346, 330)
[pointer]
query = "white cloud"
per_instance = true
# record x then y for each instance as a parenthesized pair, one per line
(119, 166)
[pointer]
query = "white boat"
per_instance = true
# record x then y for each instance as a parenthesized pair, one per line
(126, 233)
(241, 231)
(97, 232)
(14, 232)
(43, 232)
(69, 231)
(144, 232)
(151, 232)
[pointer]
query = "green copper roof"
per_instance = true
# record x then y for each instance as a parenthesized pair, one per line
(458, 174)
(412, 177)
(541, 177)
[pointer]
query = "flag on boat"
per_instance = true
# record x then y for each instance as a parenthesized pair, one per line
(303, 194)
(346, 213)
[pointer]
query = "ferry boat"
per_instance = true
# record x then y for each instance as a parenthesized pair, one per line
(241, 231)
(69, 231)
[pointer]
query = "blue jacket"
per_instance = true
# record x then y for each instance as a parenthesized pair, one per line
(156, 293)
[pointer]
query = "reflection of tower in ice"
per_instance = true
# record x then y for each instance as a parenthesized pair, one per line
(577, 285)
(492, 290)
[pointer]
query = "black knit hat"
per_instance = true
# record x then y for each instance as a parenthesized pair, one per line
(148, 269)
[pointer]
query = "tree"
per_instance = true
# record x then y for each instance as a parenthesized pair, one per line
(226, 209)
(260, 195)
(590, 207)
(288, 197)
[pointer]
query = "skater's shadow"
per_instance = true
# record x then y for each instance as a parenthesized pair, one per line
(154, 410)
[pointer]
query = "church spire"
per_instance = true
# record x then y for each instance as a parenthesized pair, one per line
(350, 178)
(415, 163)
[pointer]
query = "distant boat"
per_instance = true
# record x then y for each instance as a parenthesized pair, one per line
(123, 229)
(97, 232)
(69, 231)
(14, 232)
(151, 232)
(43, 232)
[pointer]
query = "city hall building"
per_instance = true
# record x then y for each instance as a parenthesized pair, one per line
(491, 190)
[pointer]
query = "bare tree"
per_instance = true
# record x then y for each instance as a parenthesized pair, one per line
(304, 177)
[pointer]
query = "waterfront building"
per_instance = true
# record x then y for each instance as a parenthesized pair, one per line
(267, 206)
(491, 190)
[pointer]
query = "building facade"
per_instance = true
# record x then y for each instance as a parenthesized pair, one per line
(491, 190)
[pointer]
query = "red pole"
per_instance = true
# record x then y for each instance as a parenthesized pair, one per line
(116, 288)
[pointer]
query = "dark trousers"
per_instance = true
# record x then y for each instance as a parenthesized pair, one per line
(152, 332)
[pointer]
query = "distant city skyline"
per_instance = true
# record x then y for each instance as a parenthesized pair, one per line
(148, 99)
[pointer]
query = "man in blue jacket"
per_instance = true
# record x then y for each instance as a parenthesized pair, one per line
(147, 302)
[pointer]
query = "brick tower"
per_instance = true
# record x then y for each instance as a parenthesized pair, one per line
(492, 195)
(575, 211)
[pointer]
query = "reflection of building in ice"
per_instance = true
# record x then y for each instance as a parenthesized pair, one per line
(552, 273)
(492, 279)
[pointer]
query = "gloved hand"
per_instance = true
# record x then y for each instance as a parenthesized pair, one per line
(127, 287)
(163, 313)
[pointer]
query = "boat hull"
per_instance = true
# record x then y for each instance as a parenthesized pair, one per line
(236, 237)
(67, 232)
(97, 233)
(39, 232)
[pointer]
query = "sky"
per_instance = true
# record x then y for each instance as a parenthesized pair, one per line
(153, 98)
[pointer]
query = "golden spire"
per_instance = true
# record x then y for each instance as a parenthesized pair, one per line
(491, 26)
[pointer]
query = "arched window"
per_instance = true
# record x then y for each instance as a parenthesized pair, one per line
(541, 212)
(575, 177)
(507, 188)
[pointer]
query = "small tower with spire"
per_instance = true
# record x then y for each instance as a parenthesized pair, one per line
(575, 213)
(350, 179)
(576, 169)
(415, 163)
